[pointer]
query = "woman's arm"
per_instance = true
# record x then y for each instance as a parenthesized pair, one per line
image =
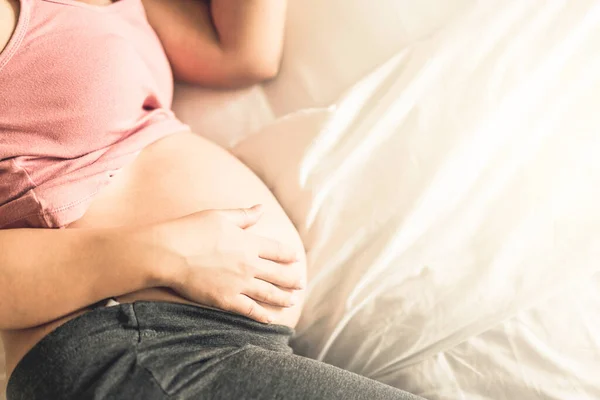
(46, 274)
(208, 257)
(221, 43)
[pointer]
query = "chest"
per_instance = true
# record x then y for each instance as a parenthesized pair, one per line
(87, 75)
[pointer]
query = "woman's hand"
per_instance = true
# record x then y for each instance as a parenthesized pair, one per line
(222, 265)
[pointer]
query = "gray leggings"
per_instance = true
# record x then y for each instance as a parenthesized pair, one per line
(158, 350)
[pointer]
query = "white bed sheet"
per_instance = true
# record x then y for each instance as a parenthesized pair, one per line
(449, 203)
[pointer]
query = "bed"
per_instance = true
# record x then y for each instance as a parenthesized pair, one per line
(440, 162)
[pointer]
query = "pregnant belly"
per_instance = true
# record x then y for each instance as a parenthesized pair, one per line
(178, 175)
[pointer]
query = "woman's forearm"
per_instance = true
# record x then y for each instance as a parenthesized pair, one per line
(46, 274)
(251, 31)
(208, 257)
(220, 43)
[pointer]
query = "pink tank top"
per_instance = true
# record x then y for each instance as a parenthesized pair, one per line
(83, 89)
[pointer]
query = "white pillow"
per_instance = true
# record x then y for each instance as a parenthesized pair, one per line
(330, 45)
(223, 116)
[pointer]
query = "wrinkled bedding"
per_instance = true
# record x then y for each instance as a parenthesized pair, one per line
(449, 203)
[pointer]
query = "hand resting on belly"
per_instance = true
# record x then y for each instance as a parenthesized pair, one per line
(224, 266)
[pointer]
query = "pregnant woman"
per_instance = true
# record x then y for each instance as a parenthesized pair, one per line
(138, 260)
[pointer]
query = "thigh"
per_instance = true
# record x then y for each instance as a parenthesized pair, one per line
(257, 373)
(133, 382)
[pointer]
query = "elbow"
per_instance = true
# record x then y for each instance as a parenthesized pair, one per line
(254, 70)
(262, 71)
(229, 71)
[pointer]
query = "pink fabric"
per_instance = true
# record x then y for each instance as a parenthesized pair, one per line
(82, 90)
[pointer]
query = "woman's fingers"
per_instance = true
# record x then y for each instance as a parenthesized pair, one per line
(276, 251)
(247, 307)
(268, 293)
(285, 276)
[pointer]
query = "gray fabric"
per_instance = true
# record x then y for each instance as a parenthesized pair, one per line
(158, 350)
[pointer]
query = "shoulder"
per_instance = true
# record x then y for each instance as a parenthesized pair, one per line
(9, 13)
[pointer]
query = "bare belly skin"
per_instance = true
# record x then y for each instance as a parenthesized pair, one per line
(175, 176)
